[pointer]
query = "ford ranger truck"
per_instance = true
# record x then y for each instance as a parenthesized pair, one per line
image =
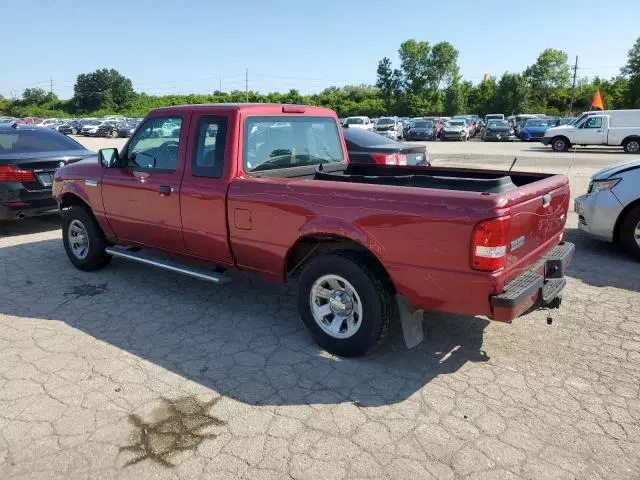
(269, 190)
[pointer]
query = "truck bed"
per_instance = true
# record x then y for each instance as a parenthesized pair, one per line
(460, 179)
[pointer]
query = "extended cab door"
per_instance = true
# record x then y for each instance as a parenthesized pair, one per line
(592, 131)
(142, 196)
(203, 196)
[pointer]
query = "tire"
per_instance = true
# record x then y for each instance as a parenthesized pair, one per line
(632, 145)
(76, 219)
(560, 144)
(114, 134)
(630, 232)
(372, 299)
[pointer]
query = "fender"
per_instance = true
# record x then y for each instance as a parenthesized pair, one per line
(90, 192)
(334, 226)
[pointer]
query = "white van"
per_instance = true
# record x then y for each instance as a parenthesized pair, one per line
(616, 128)
(359, 122)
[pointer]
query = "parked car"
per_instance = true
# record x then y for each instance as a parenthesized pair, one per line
(422, 130)
(389, 127)
(563, 121)
(371, 147)
(127, 129)
(498, 130)
(519, 121)
(615, 128)
(535, 128)
(70, 128)
(493, 116)
(108, 129)
(90, 128)
(273, 194)
(29, 156)
(610, 210)
(359, 122)
(455, 130)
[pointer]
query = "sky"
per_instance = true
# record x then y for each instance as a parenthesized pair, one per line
(197, 46)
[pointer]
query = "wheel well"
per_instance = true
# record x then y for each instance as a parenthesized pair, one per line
(306, 248)
(629, 138)
(563, 137)
(627, 209)
(69, 200)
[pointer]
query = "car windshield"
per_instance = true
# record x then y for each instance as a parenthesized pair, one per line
(285, 142)
(386, 121)
(538, 123)
(456, 123)
(355, 121)
(422, 124)
(364, 138)
(497, 123)
(29, 141)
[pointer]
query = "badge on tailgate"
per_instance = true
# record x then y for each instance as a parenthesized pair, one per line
(517, 243)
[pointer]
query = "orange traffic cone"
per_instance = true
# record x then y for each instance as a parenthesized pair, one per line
(597, 103)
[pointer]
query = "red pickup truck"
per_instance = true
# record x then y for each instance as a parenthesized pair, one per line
(268, 189)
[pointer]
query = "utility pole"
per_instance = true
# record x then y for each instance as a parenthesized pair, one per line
(220, 83)
(573, 87)
(50, 87)
(246, 85)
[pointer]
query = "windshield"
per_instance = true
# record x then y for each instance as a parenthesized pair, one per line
(538, 123)
(456, 123)
(29, 141)
(386, 121)
(422, 124)
(285, 142)
(355, 121)
(495, 117)
(497, 123)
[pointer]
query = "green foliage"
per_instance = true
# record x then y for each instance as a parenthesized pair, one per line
(103, 89)
(427, 82)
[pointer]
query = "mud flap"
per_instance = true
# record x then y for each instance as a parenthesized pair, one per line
(411, 320)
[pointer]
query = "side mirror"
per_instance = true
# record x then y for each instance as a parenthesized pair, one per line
(345, 125)
(108, 157)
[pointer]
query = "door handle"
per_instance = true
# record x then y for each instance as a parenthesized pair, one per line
(165, 190)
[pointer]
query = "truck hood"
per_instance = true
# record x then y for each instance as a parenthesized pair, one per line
(558, 130)
(618, 168)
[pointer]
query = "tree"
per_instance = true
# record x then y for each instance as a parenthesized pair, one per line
(389, 82)
(34, 96)
(632, 72)
(482, 98)
(550, 73)
(104, 88)
(443, 65)
(455, 102)
(511, 94)
(414, 65)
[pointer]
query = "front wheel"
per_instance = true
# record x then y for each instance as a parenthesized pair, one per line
(346, 306)
(560, 144)
(83, 239)
(630, 232)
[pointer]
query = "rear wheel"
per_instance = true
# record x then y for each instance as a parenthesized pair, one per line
(83, 239)
(632, 145)
(560, 144)
(346, 306)
(630, 232)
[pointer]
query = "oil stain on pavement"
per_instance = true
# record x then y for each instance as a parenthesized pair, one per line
(180, 426)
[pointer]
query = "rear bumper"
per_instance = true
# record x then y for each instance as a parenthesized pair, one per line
(17, 202)
(538, 286)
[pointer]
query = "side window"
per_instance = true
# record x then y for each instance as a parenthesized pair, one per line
(155, 145)
(594, 122)
(208, 156)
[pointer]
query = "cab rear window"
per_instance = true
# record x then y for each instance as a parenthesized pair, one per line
(284, 142)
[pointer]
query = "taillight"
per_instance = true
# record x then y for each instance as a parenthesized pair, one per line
(489, 243)
(390, 158)
(10, 174)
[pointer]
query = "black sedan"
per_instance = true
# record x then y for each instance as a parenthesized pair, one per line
(70, 128)
(370, 147)
(127, 129)
(29, 157)
(422, 130)
(108, 129)
(498, 131)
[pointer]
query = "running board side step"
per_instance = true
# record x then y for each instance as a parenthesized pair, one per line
(159, 261)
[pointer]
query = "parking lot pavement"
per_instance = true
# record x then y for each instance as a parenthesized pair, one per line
(132, 372)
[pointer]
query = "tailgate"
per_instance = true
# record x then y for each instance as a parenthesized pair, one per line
(536, 225)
